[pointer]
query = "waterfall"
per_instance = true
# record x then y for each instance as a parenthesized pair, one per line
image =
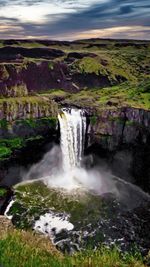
(62, 166)
(72, 129)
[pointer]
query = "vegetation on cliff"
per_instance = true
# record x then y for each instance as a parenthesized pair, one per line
(23, 118)
(136, 95)
(33, 130)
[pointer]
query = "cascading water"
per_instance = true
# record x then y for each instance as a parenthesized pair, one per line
(62, 166)
(72, 129)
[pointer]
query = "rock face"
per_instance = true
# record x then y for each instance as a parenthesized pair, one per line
(26, 71)
(15, 110)
(5, 196)
(30, 77)
(26, 108)
(27, 124)
(116, 127)
(11, 53)
(122, 136)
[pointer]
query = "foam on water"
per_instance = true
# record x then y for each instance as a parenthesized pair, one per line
(53, 223)
(8, 208)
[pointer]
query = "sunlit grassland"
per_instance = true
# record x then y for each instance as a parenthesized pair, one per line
(136, 95)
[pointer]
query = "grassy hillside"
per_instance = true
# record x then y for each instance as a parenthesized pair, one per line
(19, 248)
(136, 95)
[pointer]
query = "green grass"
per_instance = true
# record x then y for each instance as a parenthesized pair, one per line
(35, 123)
(54, 93)
(3, 192)
(34, 138)
(90, 65)
(136, 95)
(93, 120)
(24, 249)
(50, 65)
(3, 124)
(8, 145)
(5, 152)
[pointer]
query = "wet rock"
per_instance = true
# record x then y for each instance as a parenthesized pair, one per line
(5, 196)
(122, 136)
(9, 52)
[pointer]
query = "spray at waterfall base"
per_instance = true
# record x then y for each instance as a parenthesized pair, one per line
(63, 166)
(76, 207)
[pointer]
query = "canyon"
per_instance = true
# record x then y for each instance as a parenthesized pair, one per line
(108, 79)
(75, 146)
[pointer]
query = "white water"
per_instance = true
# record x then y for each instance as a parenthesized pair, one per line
(70, 175)
(8, 209)
(62, 166)
(51, 224)
(72, 129)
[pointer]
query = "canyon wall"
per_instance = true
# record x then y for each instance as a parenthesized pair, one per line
(122, 138)
(18, 116)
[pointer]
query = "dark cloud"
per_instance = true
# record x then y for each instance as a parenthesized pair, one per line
(5, 19)
(32, 2)
(112, 13)
(4, 3)
(126, 9)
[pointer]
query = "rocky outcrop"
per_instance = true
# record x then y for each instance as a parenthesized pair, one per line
(26, 71)
(38, 77)
(27, 125)
(115, 127)
(30, 77)
(21, 116)
(5, 196)
(12, 109)
(12, 53)
(122, 138)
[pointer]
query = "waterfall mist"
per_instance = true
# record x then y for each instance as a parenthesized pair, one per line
(62, 166)
(50, 170)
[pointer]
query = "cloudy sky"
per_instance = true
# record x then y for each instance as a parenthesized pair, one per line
(75, 19)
